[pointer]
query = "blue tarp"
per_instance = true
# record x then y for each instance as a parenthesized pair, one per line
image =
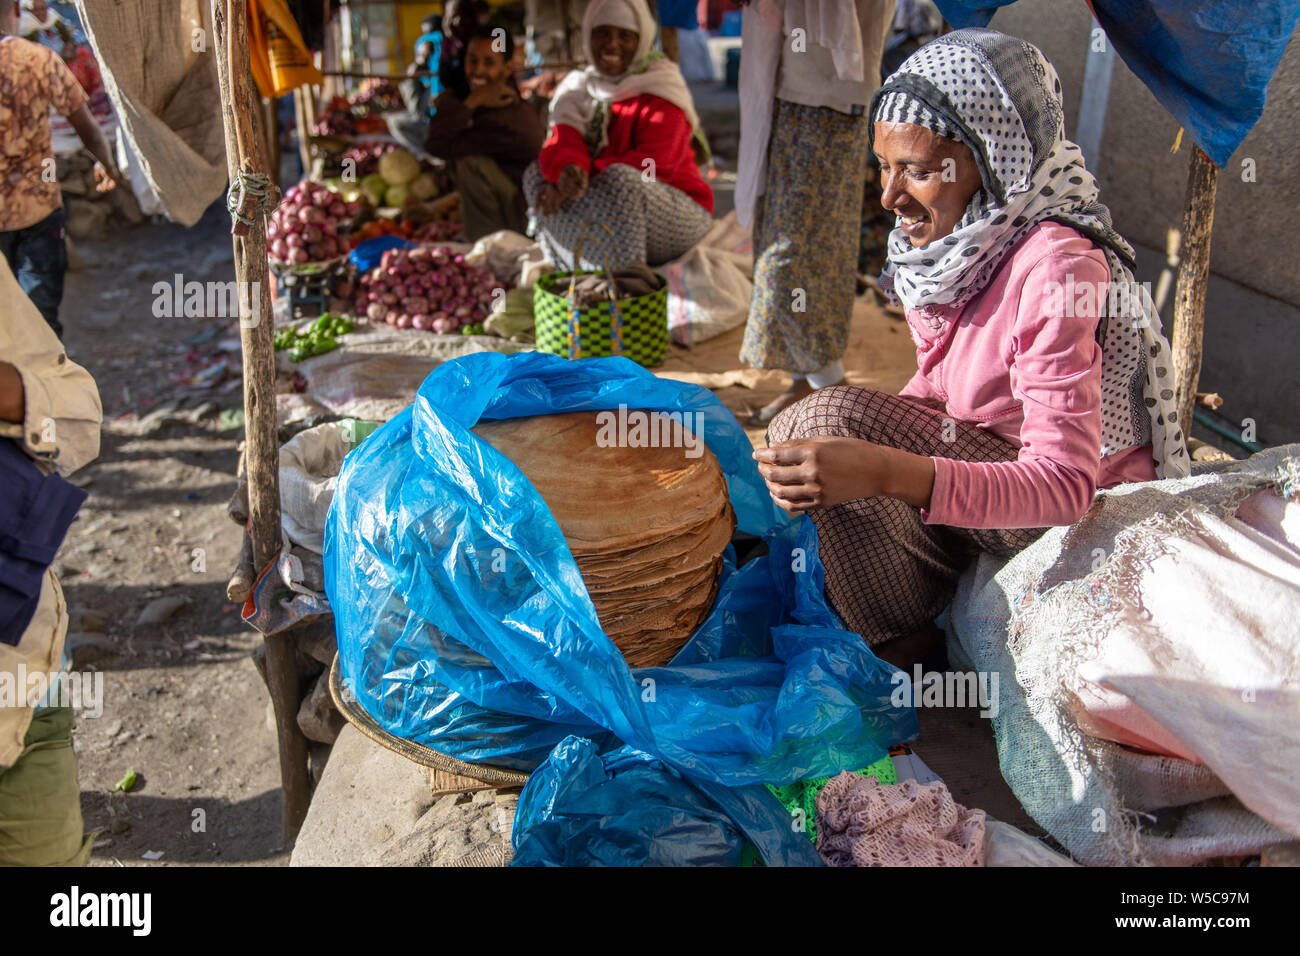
(1208, 62)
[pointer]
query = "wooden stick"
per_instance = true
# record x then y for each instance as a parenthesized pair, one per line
(273, 138)
(304, 130)
(240, 104)
(1193, 276)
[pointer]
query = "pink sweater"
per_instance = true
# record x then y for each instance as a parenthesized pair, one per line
(1012, 363)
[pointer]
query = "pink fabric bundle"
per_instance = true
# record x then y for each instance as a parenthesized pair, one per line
(862, 822)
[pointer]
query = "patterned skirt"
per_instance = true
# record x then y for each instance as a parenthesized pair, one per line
(650, 221)
(806, 232)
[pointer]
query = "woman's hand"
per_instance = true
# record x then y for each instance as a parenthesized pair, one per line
(549, 200)
(573, 182)
(814, 473)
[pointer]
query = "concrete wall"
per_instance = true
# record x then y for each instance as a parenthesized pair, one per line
(1252, 336)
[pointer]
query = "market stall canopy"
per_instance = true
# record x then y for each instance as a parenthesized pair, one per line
(1208, 62)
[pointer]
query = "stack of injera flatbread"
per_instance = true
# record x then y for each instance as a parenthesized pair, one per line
(646, 526)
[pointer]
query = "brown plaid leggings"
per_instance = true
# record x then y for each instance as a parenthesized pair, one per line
(888, 574)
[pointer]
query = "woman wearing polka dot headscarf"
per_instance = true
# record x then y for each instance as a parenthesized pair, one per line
(1042, 373)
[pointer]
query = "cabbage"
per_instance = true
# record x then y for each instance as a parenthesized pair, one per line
(397, 195)
(374, 186)
(424, 186)
(398, 167)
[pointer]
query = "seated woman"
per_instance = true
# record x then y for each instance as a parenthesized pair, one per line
(1042, 374)
(620, 151)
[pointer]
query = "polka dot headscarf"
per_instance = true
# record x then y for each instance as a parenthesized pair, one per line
(999, 97)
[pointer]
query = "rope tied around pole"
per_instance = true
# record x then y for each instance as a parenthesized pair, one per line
(255, 186)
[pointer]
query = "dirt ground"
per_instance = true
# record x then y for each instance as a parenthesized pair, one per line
(183, 705)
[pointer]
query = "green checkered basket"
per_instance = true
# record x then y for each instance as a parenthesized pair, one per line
(635, 327)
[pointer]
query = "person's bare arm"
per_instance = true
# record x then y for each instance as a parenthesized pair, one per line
(818, 472)
(12, 405)
(92, 137)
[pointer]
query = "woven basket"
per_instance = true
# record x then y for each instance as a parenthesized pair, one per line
(635, 327)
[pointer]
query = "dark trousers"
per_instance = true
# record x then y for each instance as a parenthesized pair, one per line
(38, 256)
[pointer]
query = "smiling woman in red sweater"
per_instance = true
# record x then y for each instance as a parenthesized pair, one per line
(620, 151)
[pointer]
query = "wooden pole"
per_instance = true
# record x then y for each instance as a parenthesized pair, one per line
(273, 138)
(1193, 277)
(244, 152)
(304, 128)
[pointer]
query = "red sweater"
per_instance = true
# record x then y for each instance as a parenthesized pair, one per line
(644, 127)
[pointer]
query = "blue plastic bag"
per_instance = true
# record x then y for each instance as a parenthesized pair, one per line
(368, 254)
(629, 809)
(1208, 62)
(463, 622)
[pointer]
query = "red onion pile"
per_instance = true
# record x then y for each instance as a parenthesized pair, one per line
(306, 226)
(429, 288)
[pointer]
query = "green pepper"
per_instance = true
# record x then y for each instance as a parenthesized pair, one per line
(127, 783)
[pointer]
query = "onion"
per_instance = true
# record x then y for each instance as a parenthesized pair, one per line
(403, 321)
(375, 312)
(421, 322)
(442, 325)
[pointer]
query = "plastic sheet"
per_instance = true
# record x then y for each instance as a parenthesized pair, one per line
(463, 622)
(1208, 62)
(629, 809)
